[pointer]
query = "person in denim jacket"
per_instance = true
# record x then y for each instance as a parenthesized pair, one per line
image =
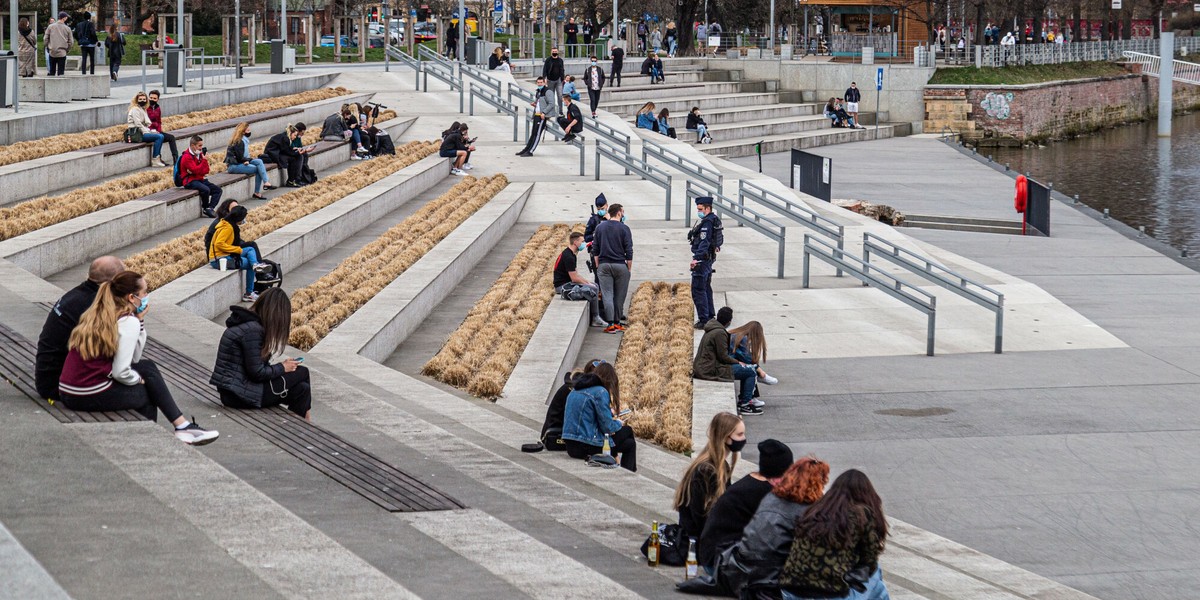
(591, 414)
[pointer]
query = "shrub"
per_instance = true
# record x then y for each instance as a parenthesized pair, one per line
(481, 354)
(170, 260)
(324, 304)
(68, 142)
(654, 363)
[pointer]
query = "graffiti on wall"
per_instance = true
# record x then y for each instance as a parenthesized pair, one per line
(997, 106)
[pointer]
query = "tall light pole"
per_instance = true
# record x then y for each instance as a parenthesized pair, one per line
(178, 24)
(283, 28)
(463, 30)
(237, 38)
(772, 28)
(614, 36)
(387, 36)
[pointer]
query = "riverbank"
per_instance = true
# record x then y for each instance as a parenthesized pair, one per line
(1054, 428)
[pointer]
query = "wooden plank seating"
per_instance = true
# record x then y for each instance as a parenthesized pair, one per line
(182, 135)
(17, 356)
(364, 473)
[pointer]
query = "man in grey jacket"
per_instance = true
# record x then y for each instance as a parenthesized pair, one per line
(543, 110)
(58, 42)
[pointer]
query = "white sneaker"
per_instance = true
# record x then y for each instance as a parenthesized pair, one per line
(756, 403)
(468, 167)
(355, 157)
(767, 379)
(196, 435)
(158, 162)
(250, 297)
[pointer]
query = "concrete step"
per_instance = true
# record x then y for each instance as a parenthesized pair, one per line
(739, 114)
(804, 139)
(654, 93)
(963, 224)
(683, 102)
(757, 129)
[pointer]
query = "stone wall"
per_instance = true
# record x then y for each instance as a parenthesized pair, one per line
(1054, 110)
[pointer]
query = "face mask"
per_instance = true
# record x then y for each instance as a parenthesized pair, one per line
(736, 445)
(141, 102)
(699, 214)
(142, 307)
(601, 212)
(593, 63)
(622, 218)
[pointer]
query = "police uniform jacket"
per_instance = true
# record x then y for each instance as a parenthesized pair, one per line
(702, 237)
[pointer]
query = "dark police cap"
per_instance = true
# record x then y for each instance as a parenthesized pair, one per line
(706, 200)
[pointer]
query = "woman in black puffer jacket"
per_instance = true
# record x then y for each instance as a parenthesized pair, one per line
(244, 375)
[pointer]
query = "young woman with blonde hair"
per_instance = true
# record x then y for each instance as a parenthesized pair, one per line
(645, 117)
(138, 118)
(239, 161)
(710, 472)
(748, 344)
(104, 370)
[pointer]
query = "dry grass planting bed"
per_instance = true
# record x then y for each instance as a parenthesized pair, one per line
(654, 363)
(45, 211)
(324, 304)
(173, 259)
(481, 354)
(68, 142)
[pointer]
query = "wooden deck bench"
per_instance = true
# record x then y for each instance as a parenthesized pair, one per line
(17, 357)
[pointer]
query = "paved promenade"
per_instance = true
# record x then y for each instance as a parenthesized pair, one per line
(1078, 465)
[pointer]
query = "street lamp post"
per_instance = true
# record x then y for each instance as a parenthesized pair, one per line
(387, 36)
(237, 38)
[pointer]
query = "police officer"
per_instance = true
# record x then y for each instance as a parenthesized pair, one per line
(706, 238)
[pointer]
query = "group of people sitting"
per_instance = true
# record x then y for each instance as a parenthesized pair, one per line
(660, 123)
(353, 124)
(835, 111)
(458, 145)
(90, 354)
(653, 66)
(734, 355)
(777, 532)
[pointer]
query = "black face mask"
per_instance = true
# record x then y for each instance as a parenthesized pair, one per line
(141, 102)
(736, 445)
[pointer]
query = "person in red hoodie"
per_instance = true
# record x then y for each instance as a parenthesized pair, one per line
(193, 168)
(154, 111)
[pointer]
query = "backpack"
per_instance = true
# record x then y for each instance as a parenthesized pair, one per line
(307, 175)
(383, 144)
(267, 274)
(177, 173)
(718, 235)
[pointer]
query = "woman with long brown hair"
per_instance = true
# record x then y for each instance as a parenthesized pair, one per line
(244, 374)
(841, 534)
(239, 160)
(105, 371)
(748, 344)
(751, 567)
(26, 49)
(592, 412)
(710, 472)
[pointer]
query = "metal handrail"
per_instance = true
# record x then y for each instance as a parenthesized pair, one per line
(520, 92)
(502, 105)
(426, 54)
(1182, 71)
(714, 179)
(746, 216)
(796, 211)
(442, 72)
(409, 61)
(16, 91)
(553, 128)
(481, 76)
(970, 289)
(614, 137)
(889, 284)
(644, 170)
(217, 60)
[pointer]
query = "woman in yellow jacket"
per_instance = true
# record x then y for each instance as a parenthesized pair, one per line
(227, 244)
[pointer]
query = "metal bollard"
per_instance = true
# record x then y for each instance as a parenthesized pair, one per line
(1006, 168)
(1184, 253)
(1076, 199)
(1106, 213)
(989, 158)
(1141, 231)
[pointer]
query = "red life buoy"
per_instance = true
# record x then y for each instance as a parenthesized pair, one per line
(1022, 197)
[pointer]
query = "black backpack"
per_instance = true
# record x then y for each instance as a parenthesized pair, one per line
(718, 235)
(383, 144)
(268, 275)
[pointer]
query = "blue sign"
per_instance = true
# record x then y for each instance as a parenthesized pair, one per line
(499, 6)
(879, 79)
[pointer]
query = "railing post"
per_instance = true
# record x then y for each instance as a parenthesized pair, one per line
(782, 254)
(670, 182)
(598, 162)
(1000, 326)
(807, 262)
(929, 332)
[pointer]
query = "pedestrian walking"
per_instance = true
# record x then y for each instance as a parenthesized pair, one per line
(571, 31)
(26, 49)
(588, 36)
(613, 244)
(85, 34)
(706, 238)
(554, 72)
(618, 61)
(452, 41)
(543, 108)
(58, 42)
(115, 47)
(593, 79)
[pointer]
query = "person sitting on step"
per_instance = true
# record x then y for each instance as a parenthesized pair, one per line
(713, 362)
(239, 161)
(646, 118)
(709, 473)
(244, 374)
(664, 126)
(105, 371)
(696, 123)
(193, 170)
(571, 285)
(748, 344)
(63, 317)
(592, 415)
(225, 254)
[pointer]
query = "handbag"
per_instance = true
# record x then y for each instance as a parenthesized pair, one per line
(133, 135)
(670, 551)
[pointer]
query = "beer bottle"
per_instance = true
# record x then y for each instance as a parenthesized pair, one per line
(654, 547)
(607, 446)
(693, 567)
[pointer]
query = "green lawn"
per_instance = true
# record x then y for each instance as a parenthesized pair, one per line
(1024, 74)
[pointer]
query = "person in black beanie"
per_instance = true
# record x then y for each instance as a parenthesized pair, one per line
(734, 509)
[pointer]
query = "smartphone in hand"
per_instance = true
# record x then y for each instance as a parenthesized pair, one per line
(624, 412)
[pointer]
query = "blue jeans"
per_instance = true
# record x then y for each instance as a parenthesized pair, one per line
(746, 375)
(701, 131)
(157, 138)
(246, 261)
(256, 168)
(876, 590)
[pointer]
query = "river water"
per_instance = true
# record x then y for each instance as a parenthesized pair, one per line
(1142, 179)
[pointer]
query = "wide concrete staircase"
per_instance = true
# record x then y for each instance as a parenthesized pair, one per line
(740, 113)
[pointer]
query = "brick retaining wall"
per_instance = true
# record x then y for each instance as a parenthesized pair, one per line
(1052, 110)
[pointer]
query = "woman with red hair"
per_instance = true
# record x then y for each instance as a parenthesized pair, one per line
(750, 569)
